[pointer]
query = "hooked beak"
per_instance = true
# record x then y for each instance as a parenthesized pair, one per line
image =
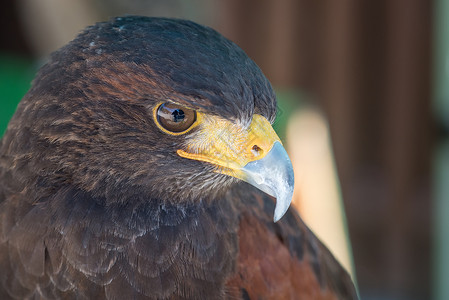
(253, 154)
(273, 175)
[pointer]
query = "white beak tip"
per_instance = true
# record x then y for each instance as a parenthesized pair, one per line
(278, 213)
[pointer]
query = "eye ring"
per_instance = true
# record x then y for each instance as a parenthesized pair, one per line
(174, 119)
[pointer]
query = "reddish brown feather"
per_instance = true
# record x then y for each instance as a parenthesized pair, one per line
(266, 268)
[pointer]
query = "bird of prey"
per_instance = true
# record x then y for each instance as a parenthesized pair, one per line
(142, 164)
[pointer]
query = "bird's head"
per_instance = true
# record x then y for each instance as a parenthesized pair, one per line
(168, 106)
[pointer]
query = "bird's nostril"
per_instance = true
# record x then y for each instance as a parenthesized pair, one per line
(256, 150)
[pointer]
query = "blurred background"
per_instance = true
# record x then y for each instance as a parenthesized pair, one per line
(364, 111)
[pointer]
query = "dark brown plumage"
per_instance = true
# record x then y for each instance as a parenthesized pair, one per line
(96, 200)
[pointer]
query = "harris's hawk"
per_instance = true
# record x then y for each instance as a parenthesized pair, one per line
(124, 175)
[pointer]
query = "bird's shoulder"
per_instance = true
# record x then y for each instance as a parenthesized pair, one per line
(283, 260)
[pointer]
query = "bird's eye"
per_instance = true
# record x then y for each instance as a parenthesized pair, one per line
(175, 118)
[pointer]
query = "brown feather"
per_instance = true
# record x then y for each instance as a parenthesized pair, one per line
(267, 268)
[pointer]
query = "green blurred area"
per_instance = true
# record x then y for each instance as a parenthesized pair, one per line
(289, 101)
(440, 165)
(16, 74)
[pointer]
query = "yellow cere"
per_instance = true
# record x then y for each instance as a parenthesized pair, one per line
(228, 145)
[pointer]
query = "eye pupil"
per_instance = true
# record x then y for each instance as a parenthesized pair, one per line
(178, 115)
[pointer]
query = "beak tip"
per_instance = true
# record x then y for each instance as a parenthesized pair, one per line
(277, 217)
(281, 208)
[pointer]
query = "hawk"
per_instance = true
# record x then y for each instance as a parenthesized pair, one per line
(142, 164)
